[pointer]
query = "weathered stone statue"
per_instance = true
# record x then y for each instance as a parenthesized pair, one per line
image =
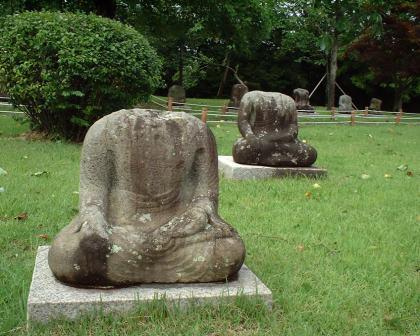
(238, 91)
(148, 206)
(345, 104)
(177, 92)
(268, 124)
(375, 104)
(302, 100)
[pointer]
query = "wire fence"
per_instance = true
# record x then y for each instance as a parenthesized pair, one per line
(228, 115)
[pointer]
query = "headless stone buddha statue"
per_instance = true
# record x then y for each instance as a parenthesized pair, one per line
(268, 124)
(302, 101)
(148, 206)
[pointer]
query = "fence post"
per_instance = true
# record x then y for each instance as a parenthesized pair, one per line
(352, 118)
(333, 113)
(170, 103)
(398, 117)
(366, 111)
(224, 109)
(204, 114)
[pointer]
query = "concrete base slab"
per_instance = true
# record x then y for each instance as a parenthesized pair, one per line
(232, 170)
(50, 299)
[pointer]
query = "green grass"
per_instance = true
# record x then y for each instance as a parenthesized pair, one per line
(344, 261)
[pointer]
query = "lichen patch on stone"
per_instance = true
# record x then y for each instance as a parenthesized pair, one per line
(115, 249)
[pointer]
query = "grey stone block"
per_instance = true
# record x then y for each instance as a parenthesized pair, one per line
(50, 299)
(232, 170)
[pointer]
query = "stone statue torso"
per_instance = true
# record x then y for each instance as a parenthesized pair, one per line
(148, 206)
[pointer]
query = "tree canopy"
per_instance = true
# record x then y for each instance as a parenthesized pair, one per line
(274, 45)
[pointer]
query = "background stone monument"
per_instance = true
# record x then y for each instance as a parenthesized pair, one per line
(375, 104)
(345, 104)
(238, 91)
(268, 124)
(302, 100)
(177, 92)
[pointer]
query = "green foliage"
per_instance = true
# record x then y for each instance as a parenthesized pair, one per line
(181, 29)
(69, 70)
(194, 70)
(392, 55)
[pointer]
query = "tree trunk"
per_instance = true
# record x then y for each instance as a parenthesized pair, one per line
(181, 66)
(398, 98)
(332, 72)
(223, 81)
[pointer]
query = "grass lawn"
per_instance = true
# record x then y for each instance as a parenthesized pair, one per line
(344, 261)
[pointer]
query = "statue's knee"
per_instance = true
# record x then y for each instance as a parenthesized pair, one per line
(230, 255)
(244, 152)
(308, 156)
(63, 256)
(79, 258)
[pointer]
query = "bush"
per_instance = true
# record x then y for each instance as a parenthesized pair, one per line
(69, 70)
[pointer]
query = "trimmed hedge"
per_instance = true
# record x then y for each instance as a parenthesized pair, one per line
(69, 70)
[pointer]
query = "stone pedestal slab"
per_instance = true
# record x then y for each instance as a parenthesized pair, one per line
(49, 299)
(232, 170)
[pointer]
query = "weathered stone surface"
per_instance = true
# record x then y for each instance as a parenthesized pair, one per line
(375, 104)
(148, 206)
(302, 100)
(236, 171)
(177, 92)
(238, 91)
(345, 104)
(268, 124)
(50, 299)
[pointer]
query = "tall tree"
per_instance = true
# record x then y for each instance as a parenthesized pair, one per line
(181, 29)
(326, 25)
(393, 53)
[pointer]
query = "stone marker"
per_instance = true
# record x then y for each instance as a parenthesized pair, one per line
(375, 104)
(238, 91)
(50, 299)
(235, 171)
(345, 104)
(177, 92)
(148, 206)
(302, 100)
(268, 124)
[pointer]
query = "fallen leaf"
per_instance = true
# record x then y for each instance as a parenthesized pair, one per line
(364, 176)
(308, 194)
(410, 173)
(402, 167)
(2, 172)
(304, 141)
(387, 175)
(22, 216)
(40, 173)
(44, 236)
(370, 136)
(300, 247)
(25, 156)
(316, 185)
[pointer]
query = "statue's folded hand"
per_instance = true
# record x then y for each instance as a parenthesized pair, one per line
(189, 223)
